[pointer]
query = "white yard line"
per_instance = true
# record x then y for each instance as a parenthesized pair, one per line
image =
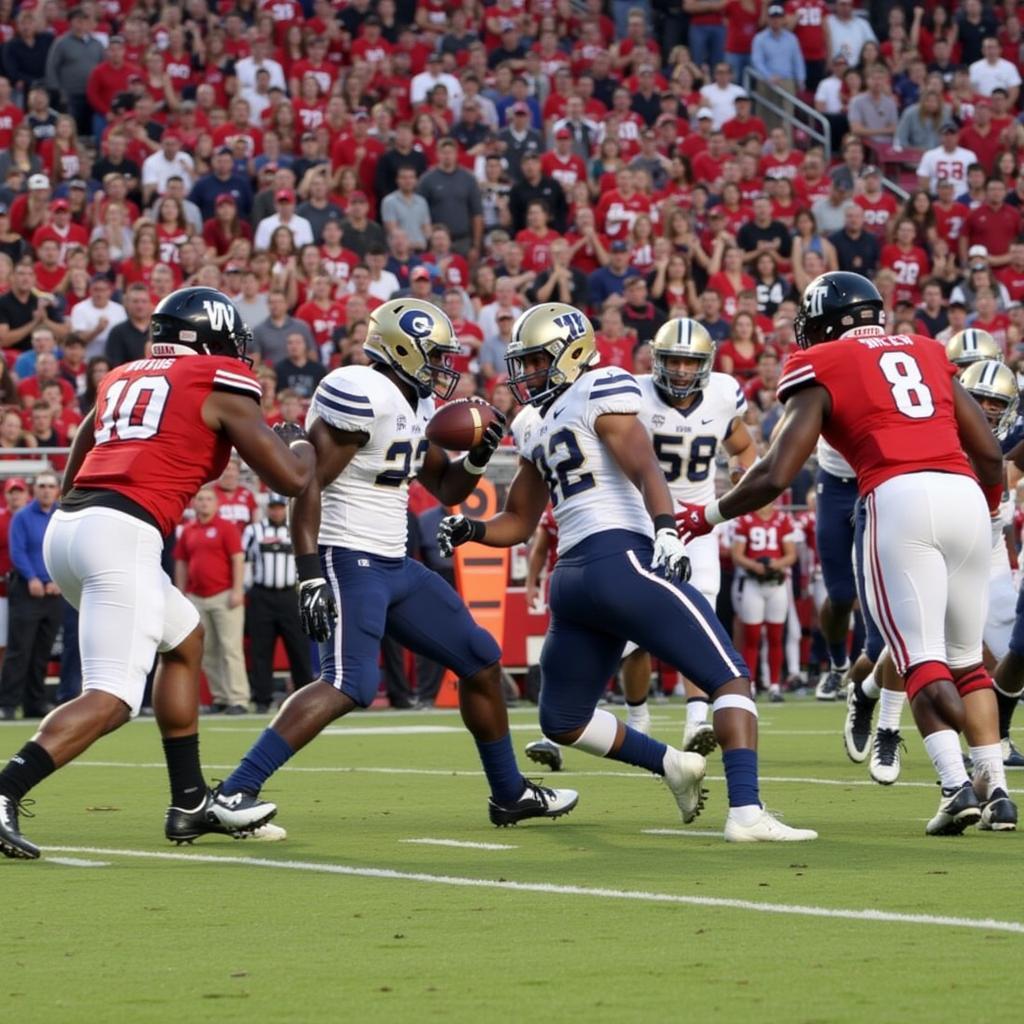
(551, 889)
(75, 862)
(459, 844)
(679, 832)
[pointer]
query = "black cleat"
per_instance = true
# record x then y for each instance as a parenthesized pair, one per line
(235, 815)
(998, 813)
(12, 843)
(828, 685)
(546, 753)
(536, 802)
(857, 727)
(958, 808)
(1012, 757)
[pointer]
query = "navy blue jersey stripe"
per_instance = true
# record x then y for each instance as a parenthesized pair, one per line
(330, 389)
(626, 389)
(347, 409)
(612, 380)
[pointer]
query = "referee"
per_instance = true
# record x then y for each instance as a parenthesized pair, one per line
(272, 610)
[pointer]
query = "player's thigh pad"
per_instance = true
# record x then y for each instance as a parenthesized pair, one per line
(752, 602)
(361, 585)
(874, 642)
(108, 566)
(430, 618)
(776, 602)
(833, 530)
(705, 566)
(180, 617)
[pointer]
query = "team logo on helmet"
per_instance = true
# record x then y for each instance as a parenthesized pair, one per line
(221, 314)
(574, 323)
(417, 323)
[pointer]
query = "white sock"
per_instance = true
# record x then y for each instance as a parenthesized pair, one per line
(988, 766)
(746, 815)
(773, 688)
(638, 716)
(890, 709)
(944, 749)
(869, 687)
(696, 712)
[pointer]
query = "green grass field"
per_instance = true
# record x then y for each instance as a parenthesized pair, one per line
(615, 913)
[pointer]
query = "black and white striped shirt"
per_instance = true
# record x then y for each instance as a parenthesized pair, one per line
(269, 550)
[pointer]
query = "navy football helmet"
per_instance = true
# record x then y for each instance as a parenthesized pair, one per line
(199, 321)
(834, 303)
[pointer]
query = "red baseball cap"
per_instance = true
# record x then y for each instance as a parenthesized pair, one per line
(15, 483)
(59, 204)
(563, 133)
(284, 195)
(357, 197)
(227, 197)
(418, 273)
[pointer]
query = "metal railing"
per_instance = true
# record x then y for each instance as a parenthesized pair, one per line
(789, 108)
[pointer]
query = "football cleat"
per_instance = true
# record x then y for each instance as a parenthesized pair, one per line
(766, 829)
(885, 756)
(958, 809)
(12, 843)
(998, 813)
(684, 772)
(269, 833)
(857, 728)
(775, 696)
(699, 739)
(536, 802)
(546, 753)
(218, 815)
(1012, 757)
(828, 685)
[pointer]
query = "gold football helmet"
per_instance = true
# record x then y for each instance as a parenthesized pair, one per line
(972, 346)
(561, 332)
(682, 338)
(993, 385)
(416, 340)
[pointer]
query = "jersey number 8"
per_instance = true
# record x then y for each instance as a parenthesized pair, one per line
(132, 409)
(909, 391)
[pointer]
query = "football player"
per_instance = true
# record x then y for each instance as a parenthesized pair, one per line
(972, 346)
(161, 428)
(620, 568)
(920, 447)
(368, 425)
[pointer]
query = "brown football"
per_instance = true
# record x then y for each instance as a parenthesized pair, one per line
(460, 425)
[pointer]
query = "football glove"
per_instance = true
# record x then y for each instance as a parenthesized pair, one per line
(290, 432)
(479, 455)
(692, 522)
(317, 610)
(454, 531)
(670, 556)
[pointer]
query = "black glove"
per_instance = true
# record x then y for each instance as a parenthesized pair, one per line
(317, 610)
(479, 455)
(456, 530)
(771, 575)
(289, 432)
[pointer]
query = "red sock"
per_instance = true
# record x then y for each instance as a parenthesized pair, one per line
(752, 648)
(775, 650)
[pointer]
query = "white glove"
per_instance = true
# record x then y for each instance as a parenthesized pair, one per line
(670, 556)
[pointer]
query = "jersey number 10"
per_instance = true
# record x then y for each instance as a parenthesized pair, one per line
(132, 409)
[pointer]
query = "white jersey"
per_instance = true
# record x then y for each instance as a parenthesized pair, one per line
(686, 440)
(366, 507)
(832, 462)
(589, 492)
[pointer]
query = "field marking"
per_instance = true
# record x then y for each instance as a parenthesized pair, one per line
(75, 862)
(551, 889)
(637, 773)
(460, 844)
(680, 832)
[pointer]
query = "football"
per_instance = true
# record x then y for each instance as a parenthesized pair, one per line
(460, 425)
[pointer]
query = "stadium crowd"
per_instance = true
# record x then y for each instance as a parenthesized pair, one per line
(314, 159)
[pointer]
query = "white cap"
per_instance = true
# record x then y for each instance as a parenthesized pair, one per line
(977, 250)
(38, 181)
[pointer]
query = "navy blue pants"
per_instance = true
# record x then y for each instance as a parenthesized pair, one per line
(409, 602)
(603, 593)
(834, 532)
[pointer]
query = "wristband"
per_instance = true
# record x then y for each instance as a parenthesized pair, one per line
(308, 567)
(994, 496)
(667, 522)
(472, 468)
(712, 514)
(477, 529)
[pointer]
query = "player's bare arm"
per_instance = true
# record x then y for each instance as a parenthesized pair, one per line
(452, 481)
(979, 442)
(286, 469)
(514, 524)
(630, 445)
(741, 448)
(84, 440)
(535, 564)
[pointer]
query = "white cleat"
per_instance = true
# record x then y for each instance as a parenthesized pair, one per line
(269, 833)
(766, 829)
(684, 772)
(885, 756)
(699, 739)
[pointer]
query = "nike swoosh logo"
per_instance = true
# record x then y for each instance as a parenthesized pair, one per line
(557, 413)
(705, 422)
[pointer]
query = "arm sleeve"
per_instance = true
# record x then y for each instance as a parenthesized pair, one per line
(797, 373)
(343, 405)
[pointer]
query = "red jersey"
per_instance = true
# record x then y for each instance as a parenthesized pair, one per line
(566, 172)
(5, 548)
(615, 215)
(737, 129)
(237, 506)
(788, 166)
(949, 223)
(616, 351)
(339, 264)
(1012, 280)
(877, 212)
(994, 229)
(809, 28)
(741, 26)
(207, 549)
(10, 117)
(322, 322)
(763, 538)
(911, 268)
(536, 248)
(152, 445)
(892, 403)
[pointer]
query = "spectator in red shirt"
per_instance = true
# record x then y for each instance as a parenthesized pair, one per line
(989, 318)
(107, 79)
(981, 136)
(209, 568)
(62, 230)
(994, 224)
(536, 238)
(744, 124)
(47, 369)
(908, 261)
(1011, 277)
(615, 343)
